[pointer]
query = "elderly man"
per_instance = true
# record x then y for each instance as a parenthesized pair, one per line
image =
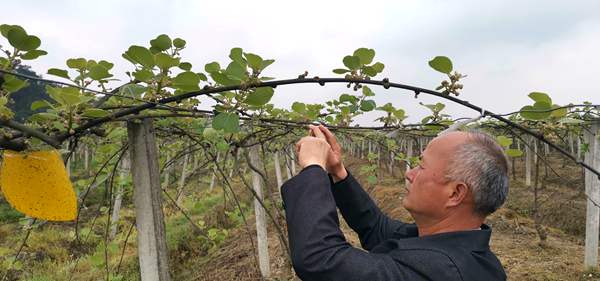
(462, 178)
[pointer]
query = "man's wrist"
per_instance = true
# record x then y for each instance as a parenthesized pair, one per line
(311, 163)
(339, 174)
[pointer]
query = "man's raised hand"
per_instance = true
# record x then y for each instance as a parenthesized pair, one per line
(335, 167)
(313, 149)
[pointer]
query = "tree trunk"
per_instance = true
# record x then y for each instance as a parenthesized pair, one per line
(277, 169)
(214, 174)
(182, 179)
(288, 166)
(167, 171)
(86, 158)
(293, 161)
(114, 220)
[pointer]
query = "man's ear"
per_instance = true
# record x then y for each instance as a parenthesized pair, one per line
(459, 194)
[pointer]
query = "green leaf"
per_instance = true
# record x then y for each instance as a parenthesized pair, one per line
(187, 81)
(378, 67)
(388, 107)
(95, 113)
(369, 71)
(254, 61)
(106, 64)
(18, 38)
(33, 54)
(348, 98)
(143, 75)
(540, 97)
(514, 152)
(185, 66)
(236, 71)
(141, 55)
(504, 141)
(59, 72)
(367, 92)
(164, 61)
(367, 105)
(228, 122)
(352, 62)
(67, 96)
(132, 90)
(222, 146)
(154, 50)
(162, 42)
(340, 71)
(365, 55)
(72, 96)
(400, 114)
(529, 112)
(179, 43)
(40, 104)
(212, 67)
(266, 63)
(79, 63)
(5, 28)
(441, 64)
(12, 83)
(299, 107)
(99, 72)
(435, 108)
(236, 55)
(209, 133)
(559, 112)
(202, 76)
(260, 96)
(222, 79)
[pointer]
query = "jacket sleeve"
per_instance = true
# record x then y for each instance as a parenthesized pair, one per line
(364, 217)
(318, 247)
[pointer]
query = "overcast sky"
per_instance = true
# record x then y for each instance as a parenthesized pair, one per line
(507, 48)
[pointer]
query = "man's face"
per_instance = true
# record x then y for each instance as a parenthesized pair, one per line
(429, 190)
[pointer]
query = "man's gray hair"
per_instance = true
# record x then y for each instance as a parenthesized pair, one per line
(481, 164)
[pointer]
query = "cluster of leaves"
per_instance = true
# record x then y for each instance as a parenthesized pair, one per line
(506, 143)
(393, 117)
(360, 65)
(437, 120)
(370, 170)
(347, 106)
(444, 65)
(25, 47)
(244, 69)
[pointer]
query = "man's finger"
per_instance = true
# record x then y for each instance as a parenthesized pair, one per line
(311, 128)
(329, 136)
(318, 133)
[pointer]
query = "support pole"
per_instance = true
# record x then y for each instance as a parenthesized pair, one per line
(527, 162)
(592, 189)
(151, 238)
(260, 213)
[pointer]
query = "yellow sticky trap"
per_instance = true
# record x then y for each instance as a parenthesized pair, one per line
(37, 184)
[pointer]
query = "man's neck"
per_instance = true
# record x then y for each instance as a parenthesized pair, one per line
(450, 223)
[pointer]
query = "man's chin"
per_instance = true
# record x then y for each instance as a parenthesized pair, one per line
(405, 202)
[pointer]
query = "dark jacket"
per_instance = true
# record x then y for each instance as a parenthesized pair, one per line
(394, 251)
